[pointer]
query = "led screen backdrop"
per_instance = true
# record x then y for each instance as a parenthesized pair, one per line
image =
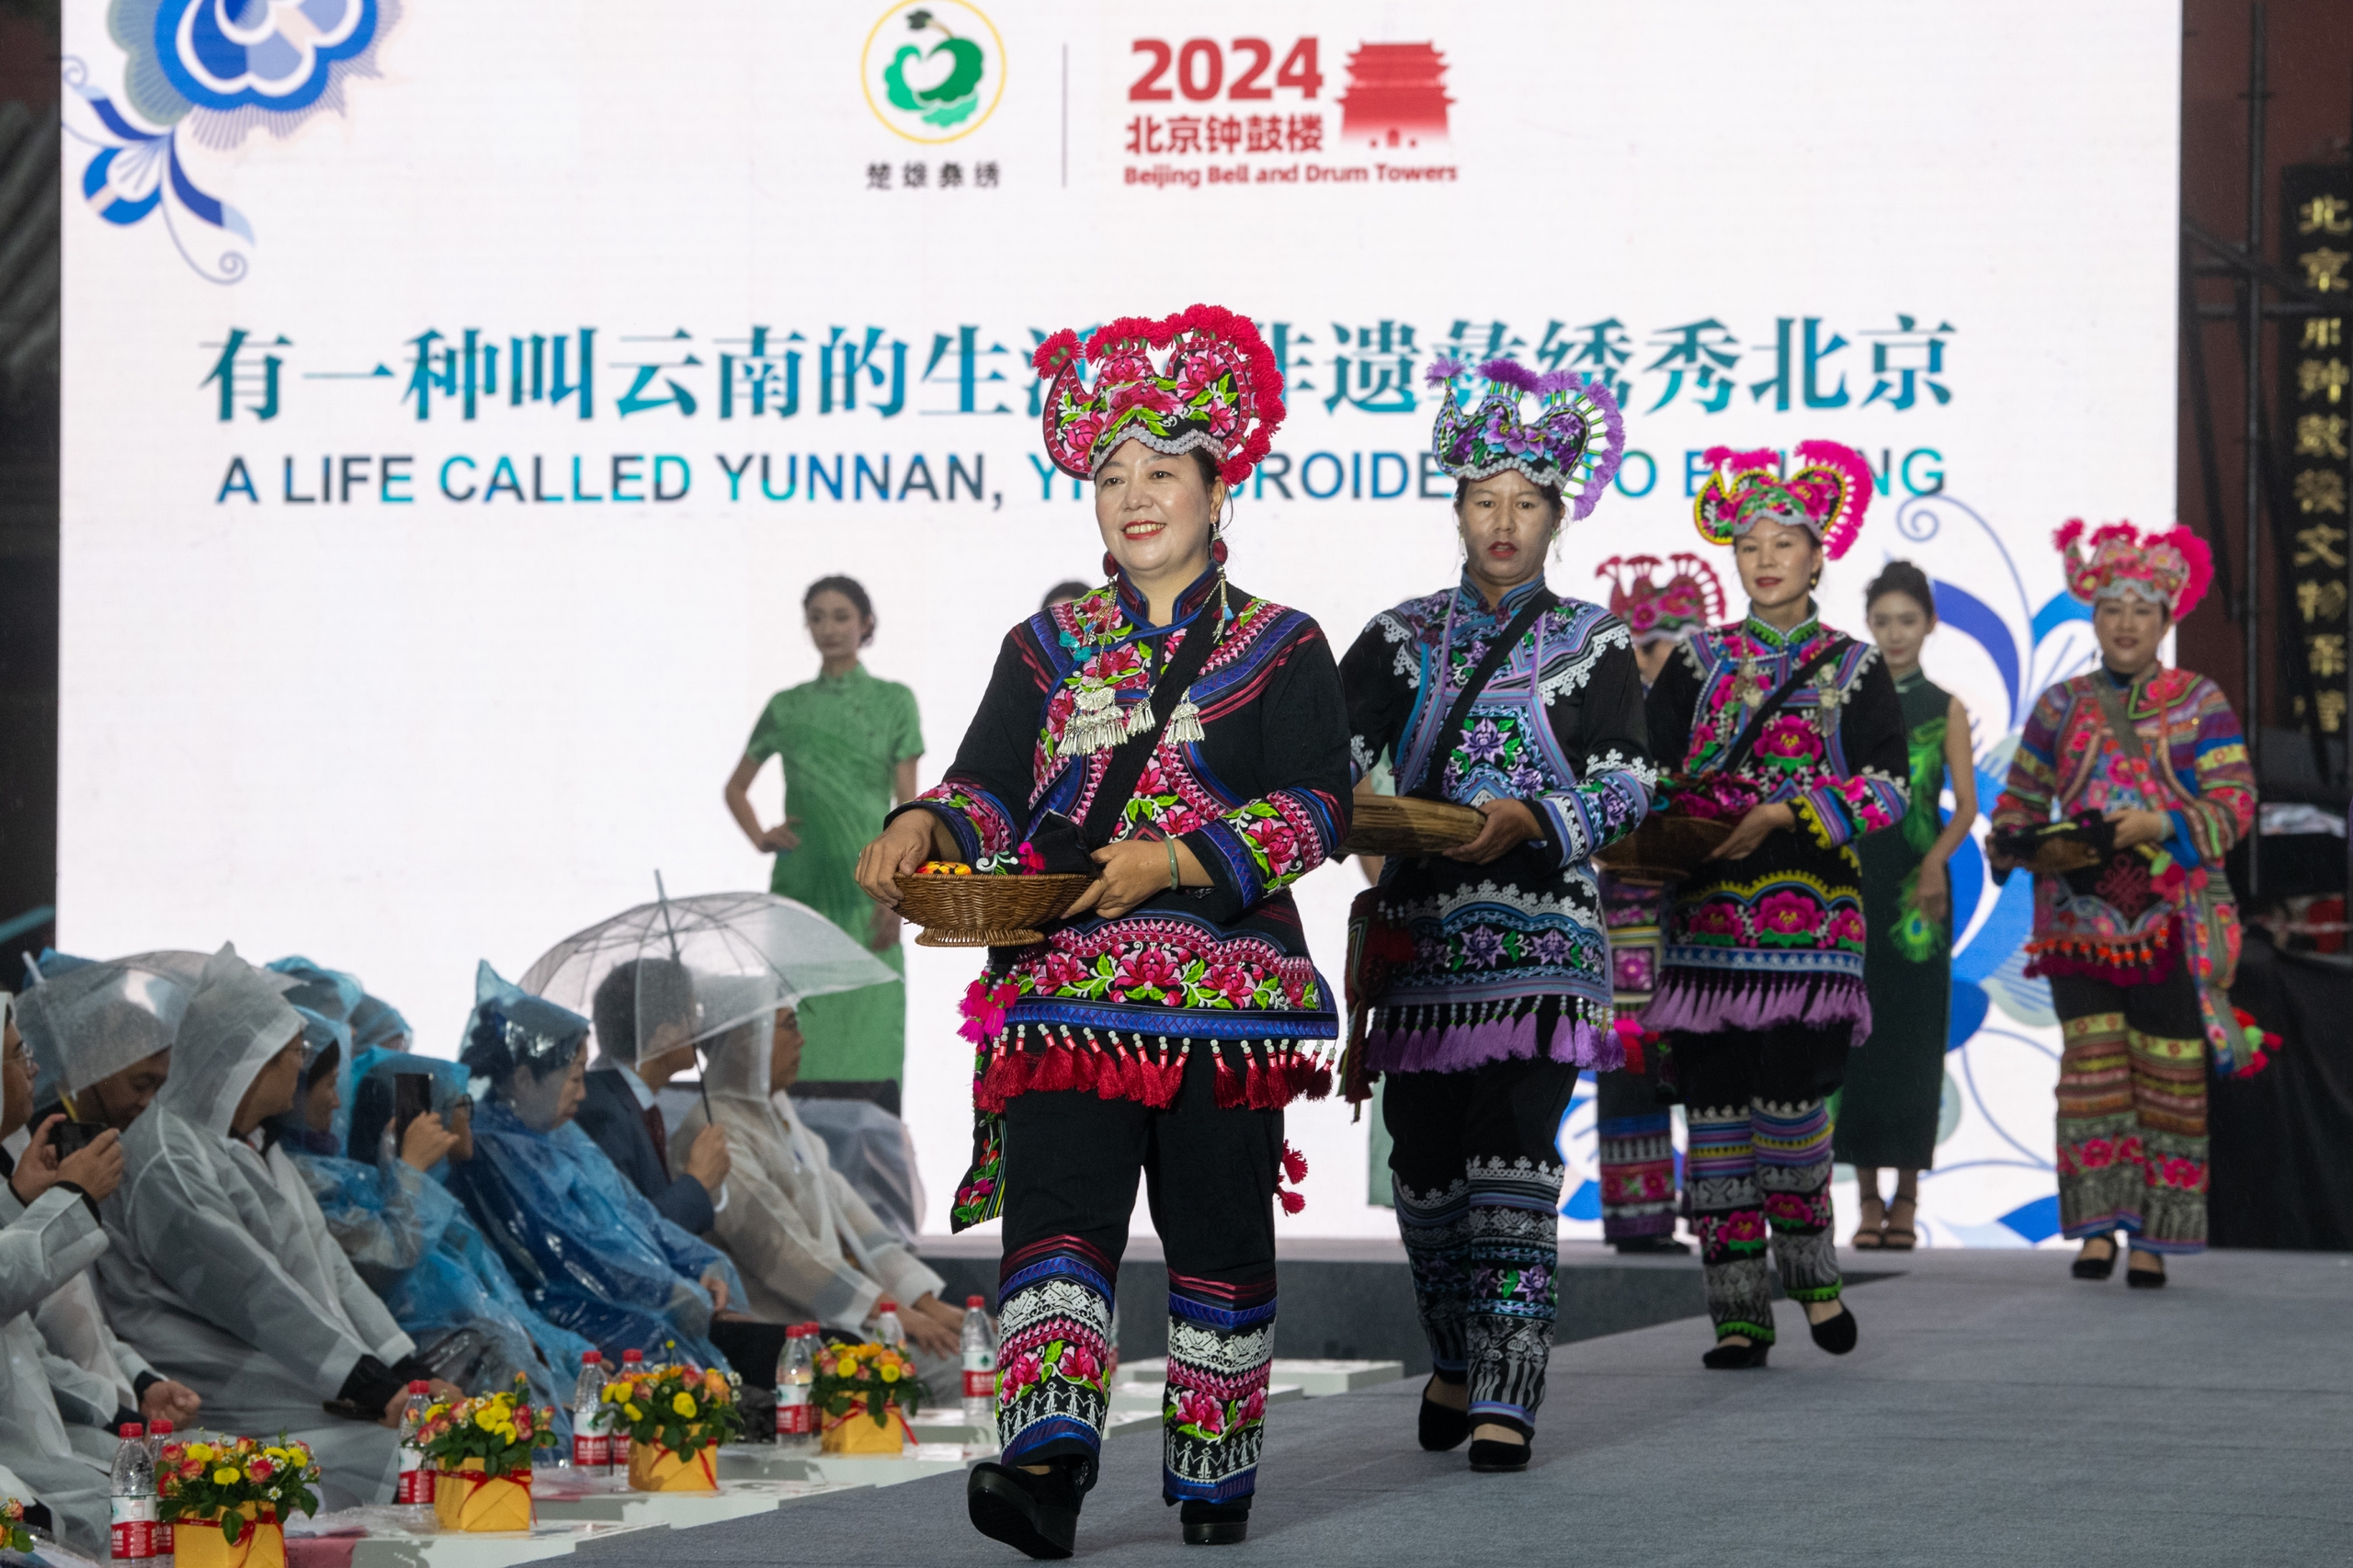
(459, 396)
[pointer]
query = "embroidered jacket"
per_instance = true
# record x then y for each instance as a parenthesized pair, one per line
(1512, 958)
(1260, 798)
(1776, 936)
(2194, 768)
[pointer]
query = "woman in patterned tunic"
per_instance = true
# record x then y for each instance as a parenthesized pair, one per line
(1791, 732)
(2140, 951)
(1498, 983)
(1197, 737)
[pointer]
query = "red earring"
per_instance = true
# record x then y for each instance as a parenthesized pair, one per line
(1217, 552)
(1110, 567)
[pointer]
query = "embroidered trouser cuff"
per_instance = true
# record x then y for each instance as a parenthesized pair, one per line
(2132, 1123)
(1214, 1413)
(1636, 1154)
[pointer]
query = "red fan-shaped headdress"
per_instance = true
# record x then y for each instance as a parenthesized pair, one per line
(1828, 495)
(2169, 567)
(1216, 386)
(1668, 611)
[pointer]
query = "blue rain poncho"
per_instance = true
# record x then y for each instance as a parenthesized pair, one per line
(590, 1253)
(418, 1247)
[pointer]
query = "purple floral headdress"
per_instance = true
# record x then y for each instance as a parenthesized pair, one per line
(1573, 440)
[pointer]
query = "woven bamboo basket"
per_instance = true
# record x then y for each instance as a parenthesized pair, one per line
(1406, 825)
(985, 912)
(1663, 850)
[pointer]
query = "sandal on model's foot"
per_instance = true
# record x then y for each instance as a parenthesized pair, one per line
(2149, 1278)
(1036, 1514)
(1869, 1224)
(2089, 1265)
(1215, 1524)
(1729, 1356)
(1898, 1234)
(1442, 1426)
(1836, 1335)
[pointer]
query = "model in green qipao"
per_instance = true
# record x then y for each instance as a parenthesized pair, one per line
(847, 743)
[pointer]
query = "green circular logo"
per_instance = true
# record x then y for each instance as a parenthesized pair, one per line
(933, 69)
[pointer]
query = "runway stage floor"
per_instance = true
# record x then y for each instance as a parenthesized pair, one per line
(1995, 1412)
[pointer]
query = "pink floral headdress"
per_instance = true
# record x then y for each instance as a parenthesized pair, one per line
(1217, 388)
(2171, 567)
(1573, 439)
(1656, 611)
(1827, 496)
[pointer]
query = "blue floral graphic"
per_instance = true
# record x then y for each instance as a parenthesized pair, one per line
(206, 72)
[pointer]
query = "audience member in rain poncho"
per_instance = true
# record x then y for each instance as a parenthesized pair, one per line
(48, 1235)
(222, 1268)
(590, 1252)
(807, 1245)
(377, 1025)
(412, 1241)
(101, 1034)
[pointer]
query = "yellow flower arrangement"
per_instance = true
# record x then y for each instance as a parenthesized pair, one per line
(682, 1408)
(874, 1376)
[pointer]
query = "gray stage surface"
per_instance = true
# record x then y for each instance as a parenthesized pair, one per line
(1995, 1412)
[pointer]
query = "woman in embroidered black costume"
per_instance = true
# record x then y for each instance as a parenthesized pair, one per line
(1189, 740)
(1494, 977)
(1791, 733)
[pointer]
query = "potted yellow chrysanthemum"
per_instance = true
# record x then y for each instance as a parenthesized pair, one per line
(482, 1451)
(675, 1417)
(865, 1393)
(226, 1501)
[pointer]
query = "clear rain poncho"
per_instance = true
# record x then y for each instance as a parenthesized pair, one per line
(808, 1245)
(418, 1248)
(590, 1252)
(222, 1268)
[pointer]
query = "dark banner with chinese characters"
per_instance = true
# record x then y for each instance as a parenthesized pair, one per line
(2316, 397)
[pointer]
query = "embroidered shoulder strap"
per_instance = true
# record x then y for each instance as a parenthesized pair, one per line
(1772, 704)
(1427, 788)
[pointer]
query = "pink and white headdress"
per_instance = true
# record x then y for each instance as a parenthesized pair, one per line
(2171, 567)
(1827, 496)
(1218, 388)
(1656, 611)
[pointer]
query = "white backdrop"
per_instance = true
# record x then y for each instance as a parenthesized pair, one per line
(398, 731)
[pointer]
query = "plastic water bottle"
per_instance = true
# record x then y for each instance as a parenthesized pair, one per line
(980, 1365)
(592, 1444)
(886, 1324)
(133, 1535)
(159, 1433)
(796, 1370)
(414, 1495)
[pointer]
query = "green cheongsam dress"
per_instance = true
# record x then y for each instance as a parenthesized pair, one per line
(1895, 1079)
(839, 741)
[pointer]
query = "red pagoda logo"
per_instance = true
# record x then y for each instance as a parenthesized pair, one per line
(1393, 98)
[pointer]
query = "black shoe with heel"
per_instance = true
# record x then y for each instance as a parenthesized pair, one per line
(1728, 1357)
(1036, 1514)
(1215, 1524)
(1834, 1334)
(1443, 1427)
(2146, 1278)
(1492, 1456)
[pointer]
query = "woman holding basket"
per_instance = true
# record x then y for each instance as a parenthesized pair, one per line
(1497, 694)
(1792, 734)
(1185, 744)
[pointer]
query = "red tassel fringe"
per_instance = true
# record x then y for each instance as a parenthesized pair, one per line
(2149, 962)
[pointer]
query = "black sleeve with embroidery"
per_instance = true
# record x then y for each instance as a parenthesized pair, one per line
(1297, 821)
(1674, 700)
(1378, 695)
(1601, 729)
(1878, 786)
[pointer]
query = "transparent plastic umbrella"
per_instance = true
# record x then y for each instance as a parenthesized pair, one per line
(679, 970)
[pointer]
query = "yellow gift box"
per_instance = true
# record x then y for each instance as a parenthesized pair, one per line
(466, 1499)
(858, 1433)
(200, 1543)
(652, 1468)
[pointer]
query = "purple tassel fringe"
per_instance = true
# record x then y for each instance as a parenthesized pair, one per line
(1686, 1005)
(1456, 1048)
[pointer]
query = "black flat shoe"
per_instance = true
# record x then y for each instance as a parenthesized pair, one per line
(2095, 1268)
(1652, 1243)
(1036, 1515)
(1834, 1334)
(2147, 1279)
(1443, 1427)
(1491, 1457)
(1735, 1357)
(1215, 1524)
